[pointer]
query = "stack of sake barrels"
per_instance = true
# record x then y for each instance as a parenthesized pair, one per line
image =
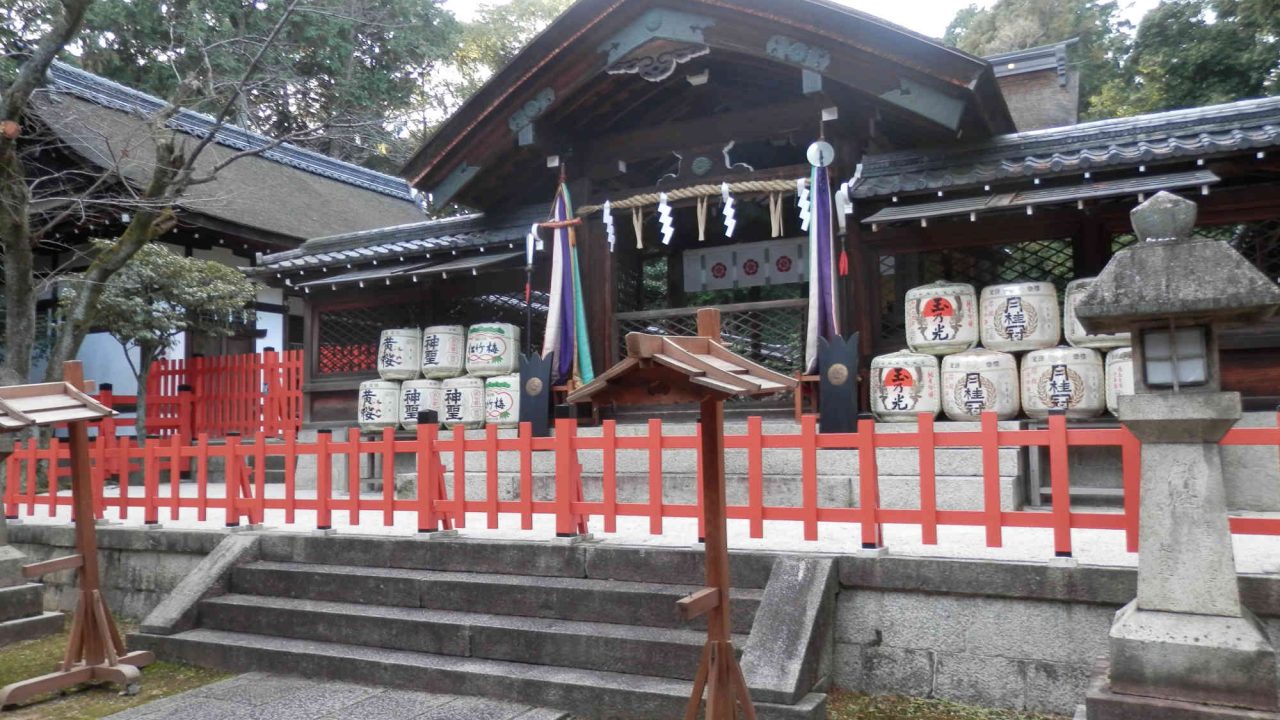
(468, 376)
(1000, 352)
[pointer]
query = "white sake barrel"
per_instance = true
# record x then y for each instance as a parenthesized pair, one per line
(942, 318)
(1020, 316)
(398, 353)
(978, 381)
(493, 349)
(904, 384)
(419, 395)
(1066, 378)
(502, 400)
(1074, 331)
(1119, 377)
(443, 351)
(463, 402)
(378, 405)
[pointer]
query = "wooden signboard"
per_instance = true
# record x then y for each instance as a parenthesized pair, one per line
(95, 650)
(661, 369)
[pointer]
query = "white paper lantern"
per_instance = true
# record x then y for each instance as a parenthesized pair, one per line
(443, 351)
(378, 405)
(398, 353)
(942, 318)
(1119, 377)
(904, 384)
(1020, 316)
(417, 396)
(493, 349)
(978, 381)
(1063, 378)
(1074, 331)
(463, 402)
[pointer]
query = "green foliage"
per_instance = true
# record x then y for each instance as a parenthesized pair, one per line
(1189, 53)
(1102, 39)
(159, 294)
(355, 68)
(490, 41)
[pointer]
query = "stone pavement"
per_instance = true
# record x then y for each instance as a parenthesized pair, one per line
(263, 696)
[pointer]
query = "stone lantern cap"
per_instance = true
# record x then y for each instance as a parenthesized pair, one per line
(1170, 275)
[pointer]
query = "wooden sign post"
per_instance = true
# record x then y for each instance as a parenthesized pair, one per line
(660, 369)
(95, 650)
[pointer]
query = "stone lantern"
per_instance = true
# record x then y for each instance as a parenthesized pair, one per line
(1185, 645)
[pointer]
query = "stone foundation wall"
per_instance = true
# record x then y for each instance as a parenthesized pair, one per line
(998, 634)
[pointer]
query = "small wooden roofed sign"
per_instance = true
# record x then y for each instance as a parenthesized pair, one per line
(24, 406)
(663, 369)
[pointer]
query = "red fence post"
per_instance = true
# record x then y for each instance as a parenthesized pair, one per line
(186, 411)
(491, 474)
(233, 479)
(353, 476)
(526, 476)
(388, 476)
(202, 476)
(1059, 483)
(150, 480)
(1131, 474)
(566, 473)
(928, 479)
(609, 474)
(428, 477)
(324, 480)
(460, 475)
(655, 476)
(755, 476)
(991, 478)
(868, 483)
(809, 475)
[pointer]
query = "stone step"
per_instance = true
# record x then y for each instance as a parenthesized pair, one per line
(586, 693)
(21, 601)
(30, 628)
(657, 652)
(580, 599)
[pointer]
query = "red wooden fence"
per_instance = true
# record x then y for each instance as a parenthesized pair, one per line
(440, 499)
(246, 394)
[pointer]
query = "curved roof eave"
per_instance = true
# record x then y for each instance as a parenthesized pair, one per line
(967, 75)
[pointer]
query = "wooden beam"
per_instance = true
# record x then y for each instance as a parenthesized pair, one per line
(750, 124)
(698, 602)
(35, 570)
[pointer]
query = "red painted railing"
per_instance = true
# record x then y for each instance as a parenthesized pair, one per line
(441, 499)
(245, 394)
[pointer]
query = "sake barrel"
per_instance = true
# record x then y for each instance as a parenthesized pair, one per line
(419, 395)
(502, 400)
(1074, 331)
(1119, 377)
(903, 385)
(1063, 378)
(977, 381)
(443, 351)
(378, 404)
(398, 353)
(493, 349)
(942, 318)
(1020, 316)
(463, 402)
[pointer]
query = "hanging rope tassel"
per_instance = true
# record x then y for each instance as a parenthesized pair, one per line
(844, 262)
(637, 221)
(702, 219)
(775, 214)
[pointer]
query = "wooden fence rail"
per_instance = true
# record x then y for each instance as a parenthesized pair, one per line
(440, 500)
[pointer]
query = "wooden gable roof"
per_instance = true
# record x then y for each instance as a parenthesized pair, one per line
(662, 369)
(24, 406)
(598, 72)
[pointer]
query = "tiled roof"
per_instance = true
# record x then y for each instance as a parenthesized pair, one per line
(403, 243)
(1177, 134)
(104, 92)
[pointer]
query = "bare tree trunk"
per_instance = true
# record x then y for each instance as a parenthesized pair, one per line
(15, 230)
(19, 272)
(145, 360)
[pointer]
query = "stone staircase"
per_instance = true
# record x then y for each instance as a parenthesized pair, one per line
(525, 622)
